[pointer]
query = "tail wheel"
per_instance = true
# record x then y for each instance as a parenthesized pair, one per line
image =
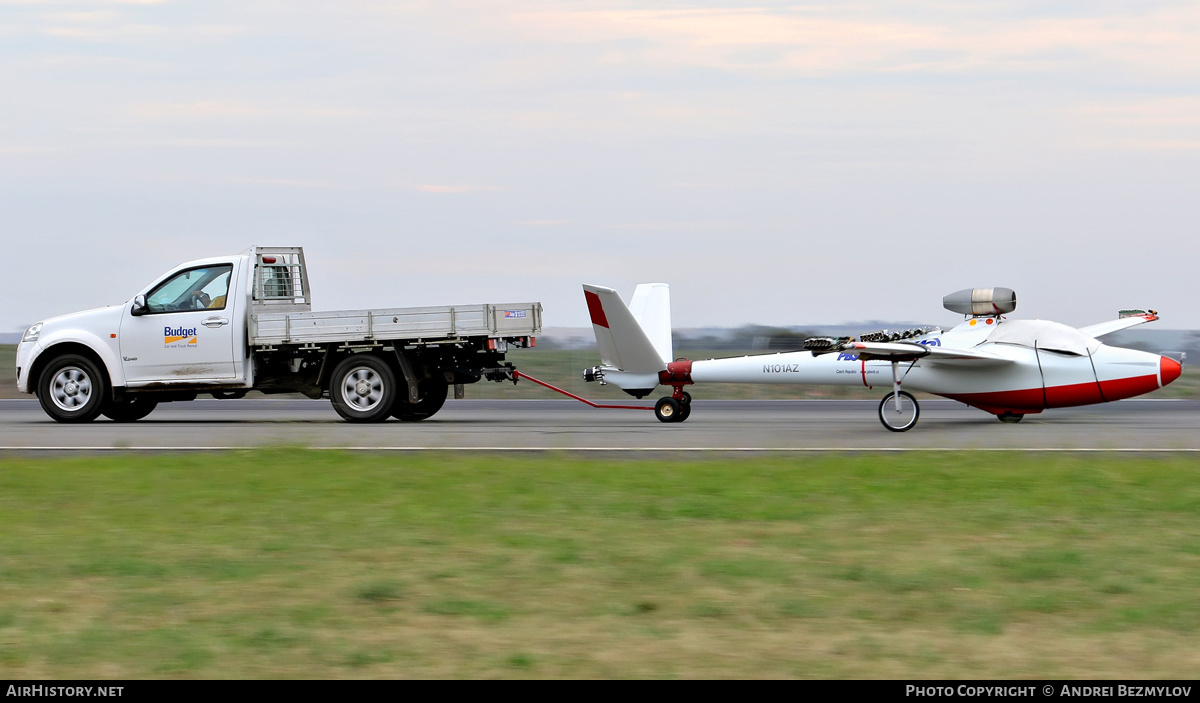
(685, 407)
(433, 397)
(131, 409)
(362, 388)
(72, 388)
(900, 419)
(668, 410)
(1010, 418)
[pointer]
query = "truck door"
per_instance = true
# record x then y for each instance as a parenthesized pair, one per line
(186, 333)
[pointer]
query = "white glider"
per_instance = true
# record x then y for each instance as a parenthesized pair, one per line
(1009, 368)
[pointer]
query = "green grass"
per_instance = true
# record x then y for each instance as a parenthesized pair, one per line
(8, 372)
(294, 563)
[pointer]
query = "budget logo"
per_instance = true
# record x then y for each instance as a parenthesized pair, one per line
(179, 336)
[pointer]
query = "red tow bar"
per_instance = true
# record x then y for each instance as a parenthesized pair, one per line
(517, 374)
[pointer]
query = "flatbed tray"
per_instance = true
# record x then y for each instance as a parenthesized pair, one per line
(408, 324)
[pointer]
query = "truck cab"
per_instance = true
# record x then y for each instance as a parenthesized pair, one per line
(189, 326)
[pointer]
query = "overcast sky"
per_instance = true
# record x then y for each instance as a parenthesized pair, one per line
(777, 163)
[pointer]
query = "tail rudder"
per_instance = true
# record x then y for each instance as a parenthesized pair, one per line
(651, 307)
(622, 341)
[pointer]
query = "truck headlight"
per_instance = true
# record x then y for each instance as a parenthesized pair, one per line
(32, 333)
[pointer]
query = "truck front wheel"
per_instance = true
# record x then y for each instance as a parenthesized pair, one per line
(72, 389)
(363, 388)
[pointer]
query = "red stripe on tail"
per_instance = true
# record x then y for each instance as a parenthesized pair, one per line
(595, 309)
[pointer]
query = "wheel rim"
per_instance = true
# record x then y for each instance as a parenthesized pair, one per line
(71, 389)
(903, 419)
(362, 389)
(666, 410)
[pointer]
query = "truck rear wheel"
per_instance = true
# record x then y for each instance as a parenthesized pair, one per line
(363, 388)
(131, 409)
(72, 389)
(433, 397)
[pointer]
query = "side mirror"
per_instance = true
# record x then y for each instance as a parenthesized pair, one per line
(139, 306)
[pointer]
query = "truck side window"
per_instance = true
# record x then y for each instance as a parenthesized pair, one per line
(202, 288)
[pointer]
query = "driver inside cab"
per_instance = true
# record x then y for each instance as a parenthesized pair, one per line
(201, 288)
(201, 300)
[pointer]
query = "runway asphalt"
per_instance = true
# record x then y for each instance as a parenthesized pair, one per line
(539, 425)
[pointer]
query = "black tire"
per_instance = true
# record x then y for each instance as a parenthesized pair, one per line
(906, 419)
(72, 388)
(685, 407)
(1010, 418)
(667, 410)
(362, 388)
(433, 397)
(131, 409)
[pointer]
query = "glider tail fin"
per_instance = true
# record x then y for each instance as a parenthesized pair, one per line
(651, 307)
(637, 338)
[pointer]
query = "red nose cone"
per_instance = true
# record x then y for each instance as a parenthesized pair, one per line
(1168, 369)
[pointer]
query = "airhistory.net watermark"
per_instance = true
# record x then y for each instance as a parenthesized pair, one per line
(41, 690)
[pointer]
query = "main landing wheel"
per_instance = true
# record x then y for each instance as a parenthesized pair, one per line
(902, 419)
(671, 410)
(1010, 418)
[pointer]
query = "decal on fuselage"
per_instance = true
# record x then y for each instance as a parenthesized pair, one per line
(864, 371)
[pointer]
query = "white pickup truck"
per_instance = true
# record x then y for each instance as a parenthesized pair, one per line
(232, 324)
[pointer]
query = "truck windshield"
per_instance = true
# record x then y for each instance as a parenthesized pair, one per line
(202, 288)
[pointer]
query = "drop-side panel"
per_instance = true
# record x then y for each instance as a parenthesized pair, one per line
(514, 320)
